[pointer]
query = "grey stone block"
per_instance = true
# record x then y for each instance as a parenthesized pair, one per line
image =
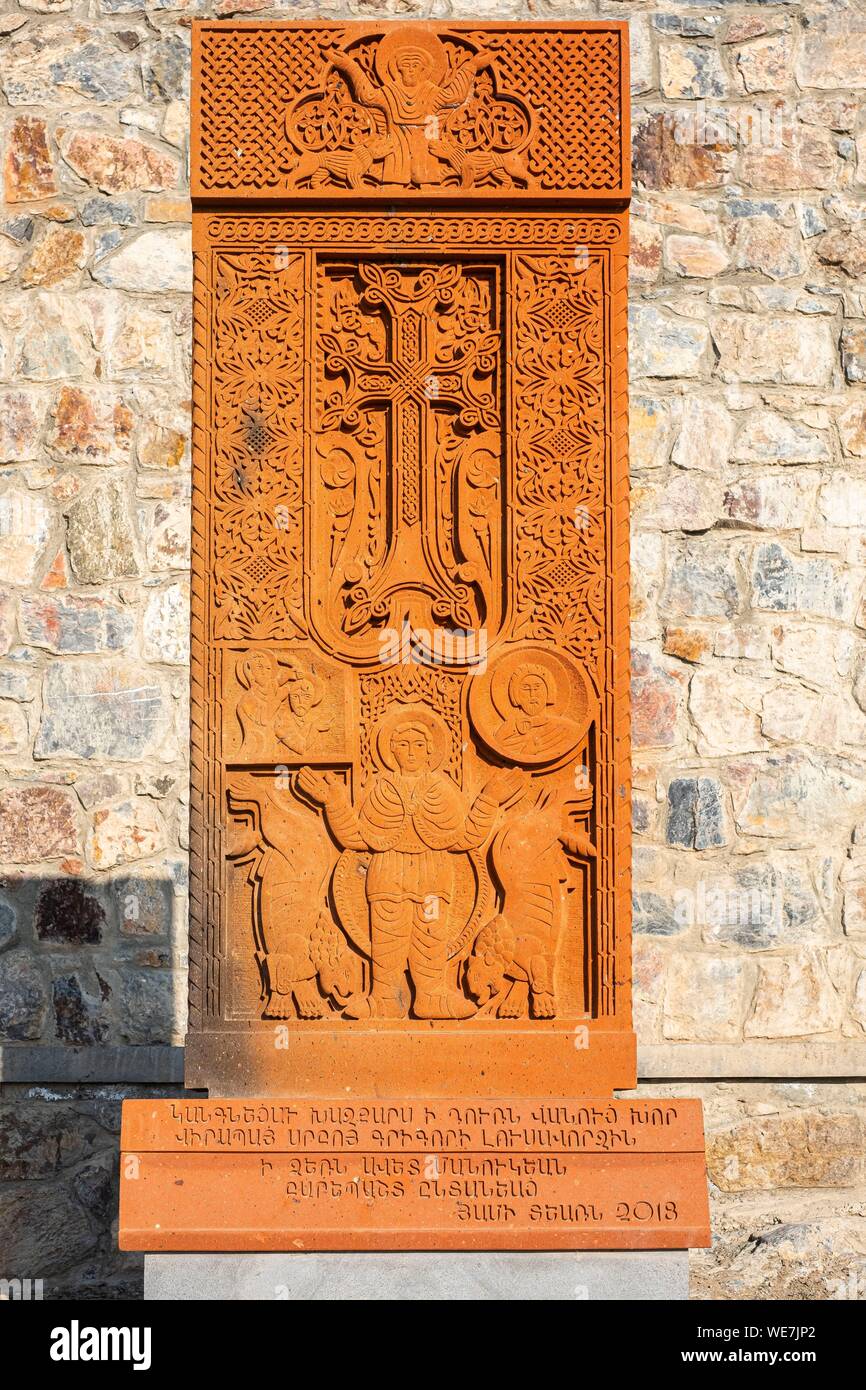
(524, 1276)
(52, 1064)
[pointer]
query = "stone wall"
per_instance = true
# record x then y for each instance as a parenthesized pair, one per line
(749, 465)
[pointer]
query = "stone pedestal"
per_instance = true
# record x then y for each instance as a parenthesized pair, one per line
(426, 1176)
(657, 1275)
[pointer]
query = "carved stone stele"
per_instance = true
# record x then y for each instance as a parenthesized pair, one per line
(410, 801)
(410, 752)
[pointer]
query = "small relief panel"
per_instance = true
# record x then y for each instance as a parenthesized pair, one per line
(321, 110)
(284, 705)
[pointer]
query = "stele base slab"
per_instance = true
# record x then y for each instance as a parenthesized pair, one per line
(291, 1175)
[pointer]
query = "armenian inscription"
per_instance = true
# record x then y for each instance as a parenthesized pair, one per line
(550, 1174)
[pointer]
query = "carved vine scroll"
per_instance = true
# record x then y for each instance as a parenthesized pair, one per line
(410, 729)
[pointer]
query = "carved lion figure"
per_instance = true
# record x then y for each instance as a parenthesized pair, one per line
(492, 954)
(506, 965)
(308, 971)
(474, 165)
(343, 166)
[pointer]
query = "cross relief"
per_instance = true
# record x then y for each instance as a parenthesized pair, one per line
(410, 429)
(409, 425)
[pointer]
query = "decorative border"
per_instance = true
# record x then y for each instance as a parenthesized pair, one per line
(470, 229)
(615, 957)
(201, 1003)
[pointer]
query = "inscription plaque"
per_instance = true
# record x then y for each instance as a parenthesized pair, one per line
(410, 854)
(457, 1174)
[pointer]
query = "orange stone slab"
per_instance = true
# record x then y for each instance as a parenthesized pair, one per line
(410, 784)
(410, 839)
(329, 113)
(473, 1058)
(454, 1174)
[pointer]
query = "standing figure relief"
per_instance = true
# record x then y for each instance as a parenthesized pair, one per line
(300, 721)
(413, 822)
(257, 675)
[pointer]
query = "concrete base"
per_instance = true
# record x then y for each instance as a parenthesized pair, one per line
(452, 1277)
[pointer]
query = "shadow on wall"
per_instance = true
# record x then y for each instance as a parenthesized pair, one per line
(92, 985)
(94, 962)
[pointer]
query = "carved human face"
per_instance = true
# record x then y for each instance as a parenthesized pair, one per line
(259, 672)
(411, 749)
(300, 697)
(412, 68)
(531, 694)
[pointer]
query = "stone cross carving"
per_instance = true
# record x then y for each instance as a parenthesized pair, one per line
(410, 446)
(409, 938)
(410, 735)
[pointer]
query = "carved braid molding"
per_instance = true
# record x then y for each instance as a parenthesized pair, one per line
(383, 231)
(318, 110)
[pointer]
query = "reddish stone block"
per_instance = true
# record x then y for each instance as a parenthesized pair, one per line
(410, 811)
(447, 1175)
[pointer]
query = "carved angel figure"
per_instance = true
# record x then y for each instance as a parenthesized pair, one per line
(257, 674)
(414, 86)
(413, 820)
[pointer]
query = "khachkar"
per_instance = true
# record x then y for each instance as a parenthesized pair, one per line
(410, 778)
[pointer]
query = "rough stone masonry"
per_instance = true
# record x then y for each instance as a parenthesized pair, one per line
(749, 527)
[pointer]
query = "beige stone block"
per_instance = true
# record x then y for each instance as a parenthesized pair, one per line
(704, 998)
(794, 997)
